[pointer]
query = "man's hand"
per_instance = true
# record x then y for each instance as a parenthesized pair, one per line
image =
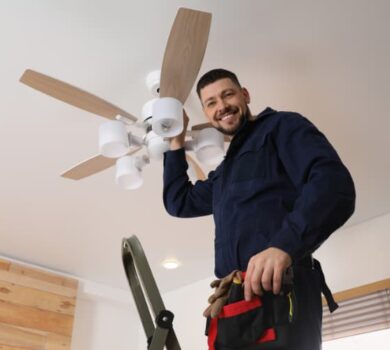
(265, 272)
(178, 141)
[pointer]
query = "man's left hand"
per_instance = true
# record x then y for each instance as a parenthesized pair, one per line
(265, 271)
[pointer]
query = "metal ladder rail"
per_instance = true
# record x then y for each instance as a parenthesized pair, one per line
(136, 265)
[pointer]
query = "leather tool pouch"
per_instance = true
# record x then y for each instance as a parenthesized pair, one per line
(262, 323)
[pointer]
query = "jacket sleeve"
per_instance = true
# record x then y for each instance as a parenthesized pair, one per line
(326, 190)
(181, 197)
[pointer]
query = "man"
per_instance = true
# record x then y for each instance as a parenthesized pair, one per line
(276, 197)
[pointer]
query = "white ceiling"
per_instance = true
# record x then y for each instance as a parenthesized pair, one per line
(325, 59)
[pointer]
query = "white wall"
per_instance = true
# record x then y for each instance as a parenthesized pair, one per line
(105, 318)
(101, 325)
(351, 257)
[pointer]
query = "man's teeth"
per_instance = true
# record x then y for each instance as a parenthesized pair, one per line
(227, 117)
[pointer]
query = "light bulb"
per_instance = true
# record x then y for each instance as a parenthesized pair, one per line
(171, 264)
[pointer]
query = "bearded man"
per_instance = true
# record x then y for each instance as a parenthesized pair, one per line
(279, 193)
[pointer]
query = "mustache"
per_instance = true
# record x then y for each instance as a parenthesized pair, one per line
(227, 110)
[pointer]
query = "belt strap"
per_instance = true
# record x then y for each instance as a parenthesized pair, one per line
(312, 263)
(332, 305)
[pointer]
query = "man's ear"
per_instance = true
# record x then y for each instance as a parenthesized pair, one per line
(247, 97)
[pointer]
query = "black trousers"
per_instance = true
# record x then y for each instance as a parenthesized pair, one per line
(306, 330)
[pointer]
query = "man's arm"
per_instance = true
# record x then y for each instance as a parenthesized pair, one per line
(181, 197)
(326, 201)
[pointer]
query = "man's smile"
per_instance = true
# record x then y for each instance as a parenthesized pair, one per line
(227, 115)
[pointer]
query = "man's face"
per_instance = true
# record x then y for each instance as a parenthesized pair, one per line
(225, 105)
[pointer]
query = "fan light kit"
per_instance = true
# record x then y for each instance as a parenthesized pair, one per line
(208, 145)
(153, 82)
(157, 146)
(113, 139)
(167, 120)
(162, 117)
(128, 171)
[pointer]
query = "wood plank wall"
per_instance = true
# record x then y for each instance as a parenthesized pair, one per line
(36, 308)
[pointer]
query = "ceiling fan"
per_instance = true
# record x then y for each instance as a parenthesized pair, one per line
(181, 63)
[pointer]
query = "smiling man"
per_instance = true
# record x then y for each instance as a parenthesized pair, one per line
(225, 104)
(276, 197)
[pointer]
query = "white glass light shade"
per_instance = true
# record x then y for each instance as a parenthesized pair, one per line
(156, 145)
(167, 120)
(147, 109)
(128, 173)
(113, 139)
(209, 146)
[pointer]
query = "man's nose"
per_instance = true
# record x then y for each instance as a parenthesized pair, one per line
(221, 105)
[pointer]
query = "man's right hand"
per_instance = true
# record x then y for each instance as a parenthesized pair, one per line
(178, 141)
(265, 272)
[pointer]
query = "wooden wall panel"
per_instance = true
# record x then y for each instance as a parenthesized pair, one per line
(36, 308)
(43, 300)
(16, 337)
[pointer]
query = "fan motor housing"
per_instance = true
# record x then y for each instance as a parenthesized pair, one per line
(153, 82)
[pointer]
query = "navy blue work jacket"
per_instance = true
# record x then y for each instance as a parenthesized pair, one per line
(280, 185)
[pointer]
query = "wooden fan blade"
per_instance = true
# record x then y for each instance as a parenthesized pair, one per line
(184, 53)
(72, 95)
(92, 166)
(198, 171)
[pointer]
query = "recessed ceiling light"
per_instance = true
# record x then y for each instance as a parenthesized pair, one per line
(171, 263)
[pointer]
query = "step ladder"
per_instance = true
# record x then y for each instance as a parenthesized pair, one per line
(158, 329)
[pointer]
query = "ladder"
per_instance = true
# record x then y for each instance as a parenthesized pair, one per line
(159, 333)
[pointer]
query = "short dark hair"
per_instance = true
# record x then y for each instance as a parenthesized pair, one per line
(214, 75)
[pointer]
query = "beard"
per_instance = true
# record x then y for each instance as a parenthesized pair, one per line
(243, 118)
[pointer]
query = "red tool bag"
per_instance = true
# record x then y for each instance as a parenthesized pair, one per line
(262, 323)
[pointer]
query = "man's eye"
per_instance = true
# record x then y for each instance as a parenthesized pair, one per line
(228, 95)
(210, 104)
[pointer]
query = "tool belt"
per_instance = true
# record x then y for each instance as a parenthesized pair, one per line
(264, 322)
